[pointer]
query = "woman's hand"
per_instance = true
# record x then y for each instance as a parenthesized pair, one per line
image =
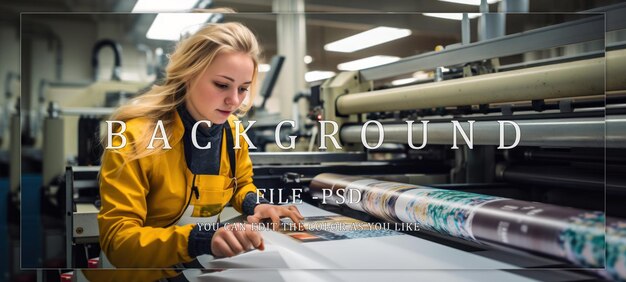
(234, 239)
(274, 213)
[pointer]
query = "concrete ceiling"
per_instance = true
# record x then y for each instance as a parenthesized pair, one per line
(326, 21)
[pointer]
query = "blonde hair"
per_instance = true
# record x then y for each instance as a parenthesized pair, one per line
(190, 58)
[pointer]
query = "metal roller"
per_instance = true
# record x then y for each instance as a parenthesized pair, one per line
(91, 111)
(584, 156)
(564, 177)
(572, 79)
(571, 234)
(615, 131)
(615, 70)
(560, 176)
(573, 132)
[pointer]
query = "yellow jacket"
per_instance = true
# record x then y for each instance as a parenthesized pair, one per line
(142, 201)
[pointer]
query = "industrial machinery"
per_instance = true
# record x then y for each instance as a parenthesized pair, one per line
(563, 159)
(65, 108)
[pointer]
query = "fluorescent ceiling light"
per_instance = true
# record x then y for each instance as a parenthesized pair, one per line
(318, 75)
(421, 75)
(404, 81)
(170, 26)
(264, 68)
(156, 6)
(367, 39)
(470, 2)
(451, 16)
(367, 63)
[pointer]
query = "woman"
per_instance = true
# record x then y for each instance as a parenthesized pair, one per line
(164, 187)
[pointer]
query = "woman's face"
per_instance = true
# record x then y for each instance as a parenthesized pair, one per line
(217, 92)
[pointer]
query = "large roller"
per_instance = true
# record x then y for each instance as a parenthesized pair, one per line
(572, 79)
(572, 132)
(568, 233)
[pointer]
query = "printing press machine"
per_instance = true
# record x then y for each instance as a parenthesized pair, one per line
(571, 112)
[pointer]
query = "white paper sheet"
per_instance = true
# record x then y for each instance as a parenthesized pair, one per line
(292, 260)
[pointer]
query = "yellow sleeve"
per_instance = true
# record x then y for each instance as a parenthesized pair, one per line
(114, 275)
(244, 174)
(123, 237)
